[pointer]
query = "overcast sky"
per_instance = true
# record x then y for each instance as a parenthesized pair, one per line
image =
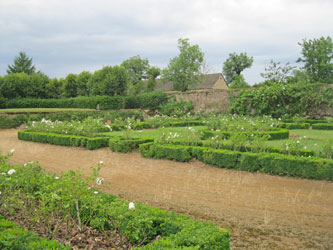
(70, 36)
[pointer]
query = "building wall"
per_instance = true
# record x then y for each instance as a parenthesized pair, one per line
(205, 99)
(220, 84)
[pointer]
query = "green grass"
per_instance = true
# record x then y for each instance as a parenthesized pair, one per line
(314, 139)
(27, 110)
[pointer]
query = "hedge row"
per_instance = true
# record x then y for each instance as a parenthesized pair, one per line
(305, 121)
(14, 237)
(272, 135)
(15, 120)
(150, 101)
(271, 163)
(295, 125)
(243, 148)
(123, 145)
(64, 140)
(323, 126)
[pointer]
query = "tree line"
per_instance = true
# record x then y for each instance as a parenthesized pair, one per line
(135, 75)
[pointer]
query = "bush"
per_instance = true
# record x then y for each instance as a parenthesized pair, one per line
(151, 101)
(322, 126)
(11, 121)
(14, 237)
(123, 145)
(104, 102)
(272, 163)
(3, 102)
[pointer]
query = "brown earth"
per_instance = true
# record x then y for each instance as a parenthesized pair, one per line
(262, 211)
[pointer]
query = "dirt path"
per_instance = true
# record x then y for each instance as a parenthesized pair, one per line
(262, 211)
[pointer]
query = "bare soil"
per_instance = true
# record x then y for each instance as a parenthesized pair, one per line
(262, 211)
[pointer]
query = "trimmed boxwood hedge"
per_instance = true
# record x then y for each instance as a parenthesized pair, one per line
(123, 145)
(323, 126)
(271, 163)
(295, 125)
(273, 135)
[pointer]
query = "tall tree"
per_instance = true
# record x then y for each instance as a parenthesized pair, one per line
(318, 59)
(136, 68)
(22, 63)
(184, 70)
(278, 73)
(70, 86)
(153, 73)
(235, 64)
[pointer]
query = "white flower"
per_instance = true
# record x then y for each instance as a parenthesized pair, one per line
(95, 192)
(89, 188)
(54, 195)
(315, 144)
(12, 151)
(279, 119)
(101, 162)
(12, 171)
(131, 206)
(297, 142)
(304, 137)
(56, 177)
(0, 192)
(305, 147)
(3, 173)
(25, 164)
(99, 180)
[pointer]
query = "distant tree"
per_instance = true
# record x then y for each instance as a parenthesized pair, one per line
(277, 73)
(36, 87)
(14, 85)
(70, 86)
(54, 88)
(136, 68)
(152, 73)
(235, 65)
(318, 59)
(109, 81)
(22, 63)
(82, 80)
(238, 82)
(184, 70)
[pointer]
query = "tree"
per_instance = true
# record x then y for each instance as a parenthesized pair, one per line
(22, 63)
(70, 86)
(14, 85)
(277, 73)
(36, 87)
(238, 82)
(152, 73)
(235, 64)
(82, 80)
(318, 59)
(136, 68)
(109, 81)
(184, 69)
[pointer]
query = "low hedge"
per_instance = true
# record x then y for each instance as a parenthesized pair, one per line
(15, 237)
(323, 126)
(311, 121)
(295, 125)
(273, 135)
(271, 163)
(11, 121)
(64, 140)
(123, 145)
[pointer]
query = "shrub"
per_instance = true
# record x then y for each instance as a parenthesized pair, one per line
(322, 126)
(123, 145)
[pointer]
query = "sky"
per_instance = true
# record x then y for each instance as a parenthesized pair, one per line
(70, 36)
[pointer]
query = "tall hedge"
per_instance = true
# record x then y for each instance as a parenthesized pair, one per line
(150, 101)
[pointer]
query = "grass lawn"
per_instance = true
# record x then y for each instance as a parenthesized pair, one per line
(314, 139)
(42, 110)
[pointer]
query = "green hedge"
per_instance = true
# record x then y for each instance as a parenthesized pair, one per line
(10, 121)
(123, 145)
(305, 121)
(151, 101)
(14, 237)
(323, 126)
(272, 163)
(273, 135)
(295, 125)
(104, 102)
(64, 140)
